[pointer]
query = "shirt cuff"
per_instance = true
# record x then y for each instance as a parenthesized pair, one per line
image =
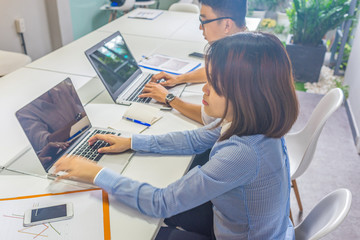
(97, 175)
(106, 178)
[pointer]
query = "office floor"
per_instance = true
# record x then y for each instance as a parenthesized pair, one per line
(336, 164)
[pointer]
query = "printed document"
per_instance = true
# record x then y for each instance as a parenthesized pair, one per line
(168, 64)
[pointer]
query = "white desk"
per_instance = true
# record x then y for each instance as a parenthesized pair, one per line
(161, 27)
(181, 49)
(190, 31)
(158, 170)
(71, 58)
(27, 83)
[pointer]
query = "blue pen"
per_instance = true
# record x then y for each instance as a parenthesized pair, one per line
(137, 121)
(77, 133)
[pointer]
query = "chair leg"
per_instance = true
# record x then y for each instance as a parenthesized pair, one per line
(291, 218)
(297, 195)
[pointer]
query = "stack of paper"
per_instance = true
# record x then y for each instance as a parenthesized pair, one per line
(149, 14)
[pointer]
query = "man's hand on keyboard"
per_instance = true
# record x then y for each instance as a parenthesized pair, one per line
(166, 79)
(117, 144)
(155, 91)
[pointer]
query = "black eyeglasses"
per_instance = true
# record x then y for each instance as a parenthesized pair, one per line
(203, 22)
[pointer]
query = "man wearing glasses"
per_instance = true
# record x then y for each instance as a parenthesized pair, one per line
(218, 19)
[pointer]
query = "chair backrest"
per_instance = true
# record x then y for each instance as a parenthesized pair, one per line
(325, 216)
(302, 144)
(128, 5)
(185, 7)
(10, 61)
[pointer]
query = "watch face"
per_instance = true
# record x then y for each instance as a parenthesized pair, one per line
(169, 97)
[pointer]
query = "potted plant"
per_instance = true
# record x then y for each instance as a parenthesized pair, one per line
(310, 20)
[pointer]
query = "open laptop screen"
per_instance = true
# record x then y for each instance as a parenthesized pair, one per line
(113, 62)
(53, 121)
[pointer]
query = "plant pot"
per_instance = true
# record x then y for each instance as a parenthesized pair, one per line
(282, 19)
(257, 14)
(271, 14)
(306, 61)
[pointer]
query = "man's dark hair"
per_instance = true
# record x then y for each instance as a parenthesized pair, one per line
(236, 9)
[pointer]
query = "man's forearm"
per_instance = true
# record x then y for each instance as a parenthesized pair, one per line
(197, 76)
(192, 111)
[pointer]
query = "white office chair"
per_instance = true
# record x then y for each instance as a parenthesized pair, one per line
(10, 61)
(128, 5)
(184, 7)
(325, 216)
(302, 144)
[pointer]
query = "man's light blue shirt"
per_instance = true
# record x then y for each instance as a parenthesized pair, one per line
(246, 178)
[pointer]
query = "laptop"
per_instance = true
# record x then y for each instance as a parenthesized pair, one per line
(56, 124)
(118, 70)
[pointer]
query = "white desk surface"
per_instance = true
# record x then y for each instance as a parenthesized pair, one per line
(181, 49)
(158, 170)
(141, 45)
(161, 27)
(22, 86)
(190, 31)
(71, 58)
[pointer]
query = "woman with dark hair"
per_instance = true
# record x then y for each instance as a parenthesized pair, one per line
(242, 192)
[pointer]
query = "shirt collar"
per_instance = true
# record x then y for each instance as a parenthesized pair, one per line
(225, 126)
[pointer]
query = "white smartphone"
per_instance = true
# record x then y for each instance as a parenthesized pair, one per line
(49, 213)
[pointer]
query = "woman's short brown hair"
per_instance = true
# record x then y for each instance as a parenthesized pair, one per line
(253, 72)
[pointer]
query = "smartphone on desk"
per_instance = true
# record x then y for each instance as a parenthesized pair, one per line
(197, 55)
(49, 213)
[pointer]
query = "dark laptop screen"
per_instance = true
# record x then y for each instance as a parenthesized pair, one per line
(53, 121)
(113, 62)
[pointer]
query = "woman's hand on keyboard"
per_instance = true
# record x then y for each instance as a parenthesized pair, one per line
(117, 144)
(77, 168)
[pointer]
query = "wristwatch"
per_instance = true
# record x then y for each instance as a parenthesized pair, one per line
(169, 97)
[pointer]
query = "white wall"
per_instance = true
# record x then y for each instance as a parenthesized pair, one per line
(59, 17)
(37, 35)
(352, 78)
(48, 25)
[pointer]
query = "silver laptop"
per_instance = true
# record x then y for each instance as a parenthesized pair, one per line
(56, 124)
(120, 73)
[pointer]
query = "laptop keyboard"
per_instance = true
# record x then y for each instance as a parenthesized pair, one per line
(134, 97)
(90, 152)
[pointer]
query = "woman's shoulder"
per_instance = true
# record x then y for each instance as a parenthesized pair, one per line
(248, 144)
(234, 159)
(236, 147)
